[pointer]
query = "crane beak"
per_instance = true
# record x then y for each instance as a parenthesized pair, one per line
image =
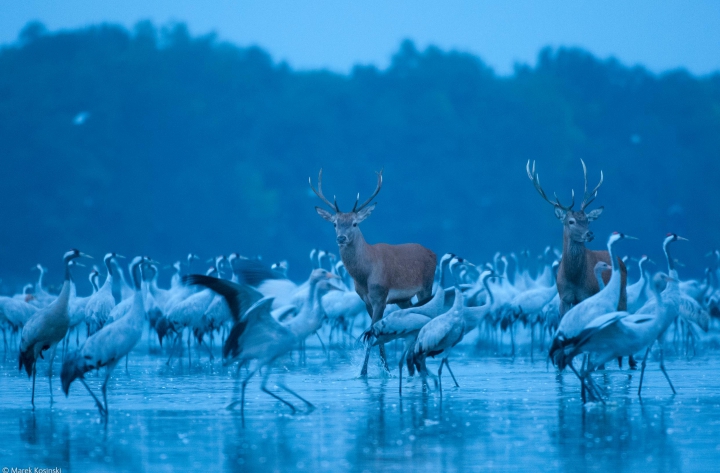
(682, 238)
(332, 276)
(80, 264)
(628, 237)
(85, 255)
(120, 256)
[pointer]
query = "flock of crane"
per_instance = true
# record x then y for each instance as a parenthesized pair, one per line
(580, 299)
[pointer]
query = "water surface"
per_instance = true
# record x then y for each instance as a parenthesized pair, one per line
(511, 415)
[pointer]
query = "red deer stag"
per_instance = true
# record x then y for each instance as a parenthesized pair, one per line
(575, 280)
(383, 273)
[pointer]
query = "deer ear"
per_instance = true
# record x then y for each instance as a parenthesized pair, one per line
(325, 214)
(595, 214)
(560, 213)
(364, 213)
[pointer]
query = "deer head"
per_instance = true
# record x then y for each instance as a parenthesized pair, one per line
(346, 223)
(576, 222)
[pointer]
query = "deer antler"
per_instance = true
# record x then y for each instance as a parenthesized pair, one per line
(377, 189)
(536, 182)
(588, 198)
(319, 192)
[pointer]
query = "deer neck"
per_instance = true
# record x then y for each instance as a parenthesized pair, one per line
(356, 257)
(574, 259)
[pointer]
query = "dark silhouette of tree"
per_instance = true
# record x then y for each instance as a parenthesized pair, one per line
(157, 142)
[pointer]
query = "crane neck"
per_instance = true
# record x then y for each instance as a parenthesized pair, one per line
(614, 282)
(491, 298)
(672, 272)
(310, 318)
(598, 276)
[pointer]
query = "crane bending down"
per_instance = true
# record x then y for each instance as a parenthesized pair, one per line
(110, 344)
(568, 334)
(256, 335)
(46, 328)
(440, 335)
(622, 334)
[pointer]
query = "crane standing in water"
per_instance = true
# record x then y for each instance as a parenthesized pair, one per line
(46, 328)
(110, 344)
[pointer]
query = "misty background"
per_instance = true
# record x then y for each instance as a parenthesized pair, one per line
(153, 140)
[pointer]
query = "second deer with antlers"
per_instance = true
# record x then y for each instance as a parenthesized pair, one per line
(383, 273)
(575, 280)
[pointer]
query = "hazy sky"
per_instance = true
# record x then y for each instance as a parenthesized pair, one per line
(336, 34)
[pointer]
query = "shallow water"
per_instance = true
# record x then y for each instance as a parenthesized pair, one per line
(510, 415)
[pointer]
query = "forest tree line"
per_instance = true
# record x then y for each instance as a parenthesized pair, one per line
(153, 141)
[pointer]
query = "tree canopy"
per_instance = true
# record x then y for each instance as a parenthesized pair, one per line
(156, 142)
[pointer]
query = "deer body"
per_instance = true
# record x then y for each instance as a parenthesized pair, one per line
(395, 273)
(382, 273)
(576, 279)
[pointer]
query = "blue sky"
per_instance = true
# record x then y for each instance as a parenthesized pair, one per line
(337, 34)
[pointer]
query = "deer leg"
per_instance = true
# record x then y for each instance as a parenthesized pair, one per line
(369, 309)
(383, 358)
(378, 308)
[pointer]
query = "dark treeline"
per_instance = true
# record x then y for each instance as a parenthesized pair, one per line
(192, 144)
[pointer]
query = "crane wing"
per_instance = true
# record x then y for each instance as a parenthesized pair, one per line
(254, 332)
(239, 297)
(254, 272)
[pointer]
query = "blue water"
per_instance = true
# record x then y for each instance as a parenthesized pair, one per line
(509, 415)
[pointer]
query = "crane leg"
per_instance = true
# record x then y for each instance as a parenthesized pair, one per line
(586, 385)
(264, 388)
(245, 382)
(512, 340)
(50, 370)
(189, 351)
(108, 371)
(34, 372)
(97, 401)
(447, 363)
(439, 375)
(642, 369)
(323, 345)
(400, 370)
(173, 349)
(662, 368)
(209, 348)
(310, 406)
(532, 342)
